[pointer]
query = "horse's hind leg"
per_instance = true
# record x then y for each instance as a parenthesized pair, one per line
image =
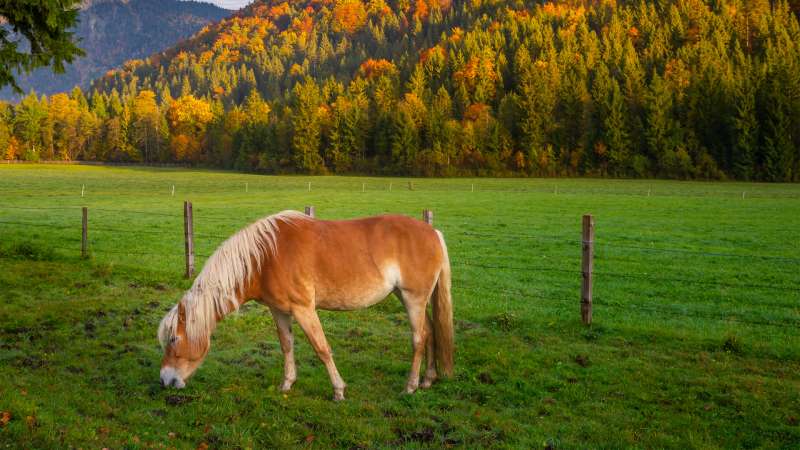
(309, 322)
(415, 304)
(283, 322)
(430, 372)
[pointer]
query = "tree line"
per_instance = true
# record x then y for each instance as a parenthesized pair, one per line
(671, 88)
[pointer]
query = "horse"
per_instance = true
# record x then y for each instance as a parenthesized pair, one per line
(295, 264)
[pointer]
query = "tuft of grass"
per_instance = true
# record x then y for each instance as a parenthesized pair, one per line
(733, 344)
(28, 250)
(103, 270)
(505, 321)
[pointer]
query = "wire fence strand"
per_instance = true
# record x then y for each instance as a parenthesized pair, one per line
(97, 246)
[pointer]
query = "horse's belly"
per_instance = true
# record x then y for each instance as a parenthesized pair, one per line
(350, 299)
(360, 291)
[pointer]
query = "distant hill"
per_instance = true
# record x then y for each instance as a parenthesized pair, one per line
(113, 31)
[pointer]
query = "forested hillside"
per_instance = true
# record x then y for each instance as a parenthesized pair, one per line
(671, 88)
(114, 31)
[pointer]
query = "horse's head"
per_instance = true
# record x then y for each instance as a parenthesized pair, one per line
(182, 356)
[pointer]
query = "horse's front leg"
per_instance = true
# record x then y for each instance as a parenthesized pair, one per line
(309, 322)
(283, 322)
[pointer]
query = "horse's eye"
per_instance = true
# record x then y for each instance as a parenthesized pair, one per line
(173, 340)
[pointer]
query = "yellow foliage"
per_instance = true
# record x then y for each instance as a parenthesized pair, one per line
(476, 68)
(206, 56)
(477, 111)
(189, 115)
(373, 68)
(185, 148)
(244, 33)
(13, 150)
(456, 34)
(433, 52)
(349, 16)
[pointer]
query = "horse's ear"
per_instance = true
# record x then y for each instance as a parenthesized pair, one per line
(181, 313)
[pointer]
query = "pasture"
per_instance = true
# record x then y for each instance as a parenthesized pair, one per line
(695, 340)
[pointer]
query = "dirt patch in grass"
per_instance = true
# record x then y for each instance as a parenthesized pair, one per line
(732, 344)
(485, 378)
(424, 435)
(31, 362)
(178, 400)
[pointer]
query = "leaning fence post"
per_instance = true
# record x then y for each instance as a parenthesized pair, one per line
(85, 232)
(188, 235)
(427, 216)
(310, 211)
(586, 268)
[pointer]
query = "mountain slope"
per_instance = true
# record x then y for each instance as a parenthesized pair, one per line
(113, 31)
(682, 88)
(676, 88)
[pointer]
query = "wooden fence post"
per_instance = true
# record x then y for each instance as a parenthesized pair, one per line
(427, 216)
(188, 235)
(587, 265)
(310, 211)
(85, 232)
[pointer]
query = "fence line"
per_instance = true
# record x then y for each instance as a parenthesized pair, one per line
(605, 245)
(698, 282)
(518, 235)
(476, 287)
(696, 313)
(555, 186)
(45, 208)
(516, 268)
(698, 252)
(88, 246)
(34, 224)
(144, 213)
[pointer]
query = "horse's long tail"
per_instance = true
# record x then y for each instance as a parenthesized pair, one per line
(443, 316)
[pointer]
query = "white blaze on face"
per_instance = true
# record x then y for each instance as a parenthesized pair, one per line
(170, 377)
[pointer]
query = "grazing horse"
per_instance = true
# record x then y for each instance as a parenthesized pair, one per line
(294, 265)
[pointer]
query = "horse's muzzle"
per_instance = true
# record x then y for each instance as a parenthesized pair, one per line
(170, 378)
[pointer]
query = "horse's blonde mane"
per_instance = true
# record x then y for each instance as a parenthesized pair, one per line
(215, 291)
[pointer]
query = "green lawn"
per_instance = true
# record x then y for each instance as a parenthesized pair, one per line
(695, 342)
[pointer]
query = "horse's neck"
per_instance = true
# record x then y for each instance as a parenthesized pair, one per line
(223, 303)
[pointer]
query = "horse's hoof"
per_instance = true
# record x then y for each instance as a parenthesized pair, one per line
(409, 390)
(338, 395)
(426, 384)
(287, 386)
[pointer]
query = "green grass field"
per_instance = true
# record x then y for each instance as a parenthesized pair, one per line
(695, 341)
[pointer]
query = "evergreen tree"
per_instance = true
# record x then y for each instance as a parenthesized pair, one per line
(305, 127)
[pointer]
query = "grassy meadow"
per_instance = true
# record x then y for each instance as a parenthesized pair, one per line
(695, 341)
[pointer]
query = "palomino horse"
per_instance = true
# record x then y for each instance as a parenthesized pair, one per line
(294, 265)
